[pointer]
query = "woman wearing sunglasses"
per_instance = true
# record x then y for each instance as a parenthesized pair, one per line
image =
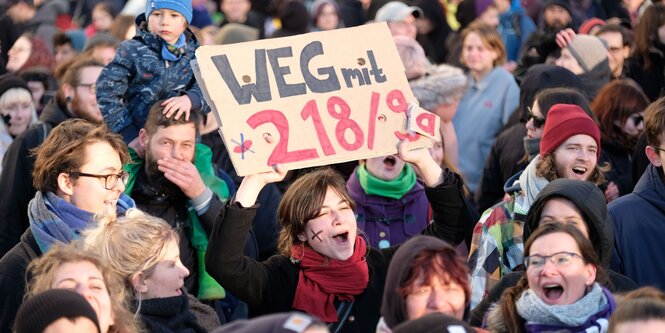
(561, 290)
(619, 107)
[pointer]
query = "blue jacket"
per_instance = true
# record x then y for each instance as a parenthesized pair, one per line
(515, 28)
(138, 77)
(639, 230)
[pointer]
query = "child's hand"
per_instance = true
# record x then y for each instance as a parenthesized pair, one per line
(179, 105)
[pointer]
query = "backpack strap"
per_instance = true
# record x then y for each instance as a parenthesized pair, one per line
(343, 311)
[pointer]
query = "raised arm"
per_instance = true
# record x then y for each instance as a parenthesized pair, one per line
(246, 278)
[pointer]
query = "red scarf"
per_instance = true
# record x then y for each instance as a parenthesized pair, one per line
(323, 279)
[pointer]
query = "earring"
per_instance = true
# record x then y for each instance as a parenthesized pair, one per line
(296, 260)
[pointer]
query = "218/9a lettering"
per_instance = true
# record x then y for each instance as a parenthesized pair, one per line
(338, 109)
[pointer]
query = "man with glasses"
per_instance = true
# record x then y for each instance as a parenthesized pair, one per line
(618, 40)
(639, 217)
(176, 182)
(75, 99)
(78, 174)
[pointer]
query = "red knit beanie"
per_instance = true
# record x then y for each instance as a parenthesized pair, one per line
(564, 121)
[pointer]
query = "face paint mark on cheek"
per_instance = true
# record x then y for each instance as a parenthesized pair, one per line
(316, 235)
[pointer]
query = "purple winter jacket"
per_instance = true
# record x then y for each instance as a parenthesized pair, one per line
(387, 221)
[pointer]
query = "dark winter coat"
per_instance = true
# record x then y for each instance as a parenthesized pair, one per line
(619, 159)
(639, 220)
(13, 267)
(651, 80)
(16, 176)
(138, 77)
(269, 286)
(590, 200)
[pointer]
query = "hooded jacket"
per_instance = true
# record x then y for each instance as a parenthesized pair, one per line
(639, 230)
(138, 77)
(590, 200)
(393, 307)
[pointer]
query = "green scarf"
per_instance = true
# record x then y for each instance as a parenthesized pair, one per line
(394, 189)
(209, 289)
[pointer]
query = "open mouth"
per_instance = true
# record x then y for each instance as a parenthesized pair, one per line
(343, 237)
(552, 292)
(579, 170)
(390, 161)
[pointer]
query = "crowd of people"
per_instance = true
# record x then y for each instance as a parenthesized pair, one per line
(538, 210)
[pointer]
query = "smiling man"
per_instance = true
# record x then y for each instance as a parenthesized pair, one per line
(78, 173)
(75, 99)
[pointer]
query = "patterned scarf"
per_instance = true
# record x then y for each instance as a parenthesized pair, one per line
(531, 184)
(53, 219)
(591, 310)
(175, 51)
(323, 279)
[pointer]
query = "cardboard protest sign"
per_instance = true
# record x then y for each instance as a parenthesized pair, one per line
(313, 99)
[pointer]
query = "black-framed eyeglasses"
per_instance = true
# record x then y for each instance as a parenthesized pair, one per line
(537, 121)
(658, 148)
(109, 181)
(637, 119)
(92, 87)
(558, 259)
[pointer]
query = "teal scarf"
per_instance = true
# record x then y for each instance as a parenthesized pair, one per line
(394, 189)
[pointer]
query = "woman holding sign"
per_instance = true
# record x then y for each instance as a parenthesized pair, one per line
(325, 268)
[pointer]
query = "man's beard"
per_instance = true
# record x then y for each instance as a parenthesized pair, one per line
(78, 110)
(157, 179)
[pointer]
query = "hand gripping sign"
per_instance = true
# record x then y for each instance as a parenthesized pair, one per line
(313, 99)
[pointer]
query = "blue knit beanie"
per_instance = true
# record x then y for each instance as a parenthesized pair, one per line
(183, 7)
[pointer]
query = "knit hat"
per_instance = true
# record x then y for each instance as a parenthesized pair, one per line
(9, 81)
(561, 3)
(183, 7)
(292, 322)
(434, 323)
(589, 51)
(589, 24)
(41, 310)
(442, 85)
(564, 121)
(396, 11)
(77, 37)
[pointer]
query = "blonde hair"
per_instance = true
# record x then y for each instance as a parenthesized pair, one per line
(131, 244)
(43, 271)
(14, 94)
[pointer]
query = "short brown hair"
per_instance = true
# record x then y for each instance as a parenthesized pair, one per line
(302, 202)
(63, 151)
(490, 38)
(431, 263)
(72, 74)
(157, 118)
(654, 121)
